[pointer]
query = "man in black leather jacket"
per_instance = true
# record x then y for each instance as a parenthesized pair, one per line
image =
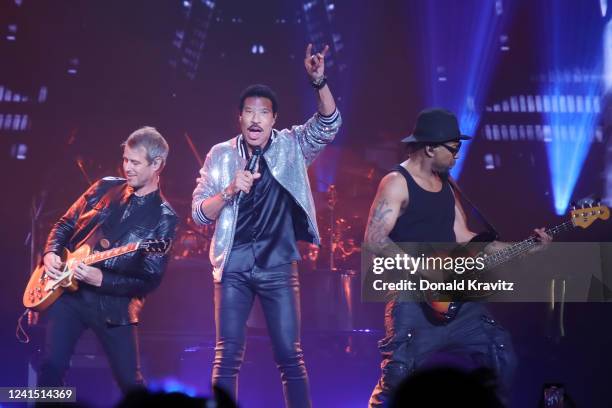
(111, 213)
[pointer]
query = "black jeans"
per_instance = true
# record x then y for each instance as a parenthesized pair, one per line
(412, 341)
(278, 291)
(68, 318)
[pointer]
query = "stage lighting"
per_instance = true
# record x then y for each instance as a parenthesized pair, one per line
(16, 122)
(19, 151)
(572, 40)
(73, 65)
(499, 7)
(190, 36)
(257, 49)
(503, 43)
(8, 121)
(441, 71)
(12, 32)
(490, 161)
(171, 385)
(308, 6)
(607, 52)
(42, 94)
(459, 59)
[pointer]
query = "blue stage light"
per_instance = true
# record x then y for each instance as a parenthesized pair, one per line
(572, 45)
(460, 50)
(172, 385)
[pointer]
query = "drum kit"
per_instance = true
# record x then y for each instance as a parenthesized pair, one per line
(193, 240)
(341, 227)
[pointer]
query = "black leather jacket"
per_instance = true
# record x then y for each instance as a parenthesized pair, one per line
(127, 278)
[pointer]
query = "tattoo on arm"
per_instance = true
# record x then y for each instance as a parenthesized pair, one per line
(376, 235)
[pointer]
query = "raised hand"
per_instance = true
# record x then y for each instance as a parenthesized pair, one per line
(315, 63)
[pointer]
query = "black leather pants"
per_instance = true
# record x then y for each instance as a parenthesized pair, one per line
(278, 291)
(68, 318)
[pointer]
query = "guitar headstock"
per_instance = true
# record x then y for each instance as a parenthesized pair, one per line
(160, 246)
(587, 214)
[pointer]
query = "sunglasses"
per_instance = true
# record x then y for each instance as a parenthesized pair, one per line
(451, 149)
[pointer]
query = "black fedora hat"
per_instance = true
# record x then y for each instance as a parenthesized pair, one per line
(435, 126)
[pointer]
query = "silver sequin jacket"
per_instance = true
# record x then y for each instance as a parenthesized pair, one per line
(288, 157)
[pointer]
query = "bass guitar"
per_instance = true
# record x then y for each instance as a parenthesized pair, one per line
(446, 310)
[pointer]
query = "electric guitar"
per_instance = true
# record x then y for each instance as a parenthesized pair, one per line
(446, 310)
(42, 290)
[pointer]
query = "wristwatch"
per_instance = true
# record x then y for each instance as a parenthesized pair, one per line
(227, 197)
(319, 82)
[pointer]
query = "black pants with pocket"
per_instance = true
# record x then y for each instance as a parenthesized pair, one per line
(412, 342)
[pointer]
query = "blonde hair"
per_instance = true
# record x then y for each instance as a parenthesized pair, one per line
(152, 141)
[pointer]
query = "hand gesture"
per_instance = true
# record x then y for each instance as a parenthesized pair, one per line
(315, 63)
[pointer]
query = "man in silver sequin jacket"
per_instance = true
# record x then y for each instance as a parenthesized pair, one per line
(259, 217)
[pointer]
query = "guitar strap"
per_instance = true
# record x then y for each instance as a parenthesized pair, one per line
(490, 228)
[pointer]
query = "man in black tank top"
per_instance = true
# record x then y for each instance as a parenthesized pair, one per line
(416, 203)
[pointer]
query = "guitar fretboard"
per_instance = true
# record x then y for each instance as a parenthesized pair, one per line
(520, 248)
(111, 253)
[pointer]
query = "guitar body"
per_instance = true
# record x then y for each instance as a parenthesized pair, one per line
(42, 291)
(443, 307)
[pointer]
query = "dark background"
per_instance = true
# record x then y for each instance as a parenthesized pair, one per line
(128, 74)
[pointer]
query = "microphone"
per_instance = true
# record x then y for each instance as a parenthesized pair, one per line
(250, 167)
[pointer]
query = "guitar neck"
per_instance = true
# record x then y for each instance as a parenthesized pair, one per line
(111, 253)
(520, 248)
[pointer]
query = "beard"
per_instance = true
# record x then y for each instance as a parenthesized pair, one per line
(444, 175)
(442, 171)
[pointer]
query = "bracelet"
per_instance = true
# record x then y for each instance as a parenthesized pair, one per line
(319, 83)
